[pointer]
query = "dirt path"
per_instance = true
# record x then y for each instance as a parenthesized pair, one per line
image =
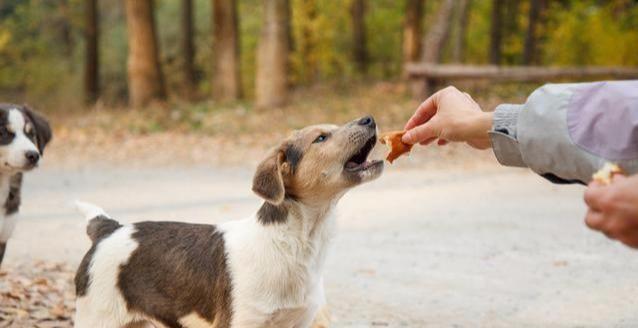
(416, 248)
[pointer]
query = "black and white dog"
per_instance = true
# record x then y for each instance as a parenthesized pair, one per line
(23, 136)
(263, 271)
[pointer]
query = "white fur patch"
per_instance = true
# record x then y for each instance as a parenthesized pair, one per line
(284, 295)
(194, 320)
(16, 121)
(13, 154)
(89, 210)
(103, 305)
(8, 225)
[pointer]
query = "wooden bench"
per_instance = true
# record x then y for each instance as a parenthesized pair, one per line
(426, 78)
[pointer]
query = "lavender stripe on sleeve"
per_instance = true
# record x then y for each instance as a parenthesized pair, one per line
(603, 119)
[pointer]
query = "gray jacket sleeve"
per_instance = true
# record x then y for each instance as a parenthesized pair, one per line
(566, 132)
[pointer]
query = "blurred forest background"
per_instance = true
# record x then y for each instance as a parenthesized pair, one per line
(64, 56)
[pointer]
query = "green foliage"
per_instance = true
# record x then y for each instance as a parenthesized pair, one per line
(38, 50)
(478, 32)
(588, 34)
(318, 29)
(112, 52)
(41, 42)
(384, 23)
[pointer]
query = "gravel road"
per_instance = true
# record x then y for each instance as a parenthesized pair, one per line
(416, 248)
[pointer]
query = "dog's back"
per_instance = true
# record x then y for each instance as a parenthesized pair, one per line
(167, 272)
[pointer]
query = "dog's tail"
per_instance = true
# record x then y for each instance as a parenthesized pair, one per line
(99, 224)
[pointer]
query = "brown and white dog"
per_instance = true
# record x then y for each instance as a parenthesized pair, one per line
(263, 271)
(23, 136)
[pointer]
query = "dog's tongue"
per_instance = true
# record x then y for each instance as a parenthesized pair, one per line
(351, 165)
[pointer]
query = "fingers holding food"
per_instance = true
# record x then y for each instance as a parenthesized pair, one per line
(396, 145)
(606, 174)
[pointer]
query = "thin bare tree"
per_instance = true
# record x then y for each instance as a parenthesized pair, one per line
(496, 32)
(359, 38)
(187, 32)
(436, 38)
(92, 59)
(226, 82)
(145, 79)
(531, 38)
(413, 30)
(462, 20)
(271, 82)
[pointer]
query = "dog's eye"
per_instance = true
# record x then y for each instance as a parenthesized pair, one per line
(321, 138)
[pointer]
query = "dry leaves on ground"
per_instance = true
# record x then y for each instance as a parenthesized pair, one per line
(39, 295)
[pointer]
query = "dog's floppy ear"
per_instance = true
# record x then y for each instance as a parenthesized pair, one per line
(268, 182)
(41, 127)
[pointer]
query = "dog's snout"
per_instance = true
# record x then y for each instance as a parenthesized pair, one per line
(32, 157)
(367, 121)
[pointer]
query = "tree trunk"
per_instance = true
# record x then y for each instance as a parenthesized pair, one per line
(91, 68)
(359, 42)
(529, 52)
(462, 18)
(437, 36)
(496, 32)
(413, 30)
(145, 78)
(226, 81)
(271, 85)
(188, 47)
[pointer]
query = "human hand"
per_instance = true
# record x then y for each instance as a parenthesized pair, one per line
(449, 115)
(613, 209)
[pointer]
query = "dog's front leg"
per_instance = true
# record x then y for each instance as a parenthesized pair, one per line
(317, 315)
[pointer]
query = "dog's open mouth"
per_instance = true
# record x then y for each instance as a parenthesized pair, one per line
(359, 161)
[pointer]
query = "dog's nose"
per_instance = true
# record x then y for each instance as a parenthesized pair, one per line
(367, 121)
(32, 157)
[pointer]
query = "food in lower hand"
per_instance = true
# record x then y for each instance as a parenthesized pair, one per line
(607, 172)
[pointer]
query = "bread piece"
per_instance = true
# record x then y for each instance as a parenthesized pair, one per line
(393, 141)
(607, 172)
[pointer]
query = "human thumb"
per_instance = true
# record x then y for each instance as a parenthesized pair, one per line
(422, 132)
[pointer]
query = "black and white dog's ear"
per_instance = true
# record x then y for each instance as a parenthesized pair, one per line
(268, 182)
(42, 129)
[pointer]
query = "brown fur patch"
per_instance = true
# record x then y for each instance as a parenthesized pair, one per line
(269, 213)
(178, 269)
(42, 129)
(268, 182)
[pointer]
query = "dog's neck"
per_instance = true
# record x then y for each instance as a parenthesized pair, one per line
(310, 226)
(300, 216)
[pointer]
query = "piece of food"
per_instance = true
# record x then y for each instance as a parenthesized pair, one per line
(607, 172)
(393, 141)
